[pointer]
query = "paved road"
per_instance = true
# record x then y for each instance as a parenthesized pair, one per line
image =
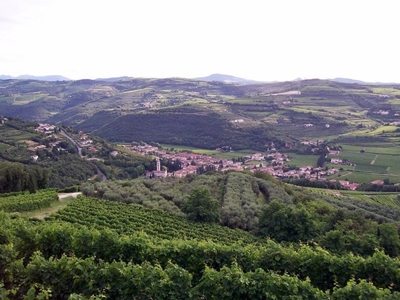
(73, 142)
(62, 132)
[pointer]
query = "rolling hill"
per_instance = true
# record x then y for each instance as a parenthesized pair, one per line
(227, 79)
(286, 111)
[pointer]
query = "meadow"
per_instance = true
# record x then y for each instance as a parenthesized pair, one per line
(302, 160)
(213, 153)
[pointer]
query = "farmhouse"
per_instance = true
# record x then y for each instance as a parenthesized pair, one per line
(336, 161)
(378, 181)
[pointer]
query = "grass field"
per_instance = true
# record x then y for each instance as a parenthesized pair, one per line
(214, 153)
(377, 162)
(302, 160)
(386, 91)
(383, 129)
(364, 177)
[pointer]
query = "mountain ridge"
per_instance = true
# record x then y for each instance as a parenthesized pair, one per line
(228, 79)
(33, 77)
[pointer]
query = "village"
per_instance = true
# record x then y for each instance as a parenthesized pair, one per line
(273, 163)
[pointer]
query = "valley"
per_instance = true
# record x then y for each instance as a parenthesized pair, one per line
(199, 189)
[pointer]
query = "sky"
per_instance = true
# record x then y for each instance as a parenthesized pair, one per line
(261, 40)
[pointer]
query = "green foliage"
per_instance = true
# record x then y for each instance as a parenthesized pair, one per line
(200, 207)
(28, 202)
(69, 170)
(16, 177)
(286, 223)
(70, 189)
(185, 126)
(389, 239)
(241, 196)
(129, 219)
(233, 283)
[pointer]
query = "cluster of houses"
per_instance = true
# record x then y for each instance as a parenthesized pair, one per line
(381, 112)
(274, 163)
(46, 128)
(85, 142)
(191, 162)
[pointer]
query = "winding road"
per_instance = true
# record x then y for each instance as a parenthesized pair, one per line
(99, 172)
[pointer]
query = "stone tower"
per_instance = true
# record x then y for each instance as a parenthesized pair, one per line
(158, 164)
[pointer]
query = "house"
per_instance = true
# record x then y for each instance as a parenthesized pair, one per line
(336, 161)
(334, 152)
(344, 183)
(378, 181)
(353, 186)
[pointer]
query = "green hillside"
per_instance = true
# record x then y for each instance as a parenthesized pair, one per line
(231, 235)
(185, 126)
(271, 110)
(127, 248)
(270, 239)
(25, 150)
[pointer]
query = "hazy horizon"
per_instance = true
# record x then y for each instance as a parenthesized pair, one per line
(41, 77)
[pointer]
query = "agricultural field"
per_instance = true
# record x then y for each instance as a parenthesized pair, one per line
(24, 202)
(386, 91)
(302, 160)
(371, 162)
(131, 218)
(213, 153)
(364, 177)
(386, 199)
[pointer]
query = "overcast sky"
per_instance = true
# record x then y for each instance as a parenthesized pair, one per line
(261, 40)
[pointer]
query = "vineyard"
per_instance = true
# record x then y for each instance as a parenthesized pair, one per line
(70, 261)
(102, 249)
(388, 200)
(28, 202)
(131, 218)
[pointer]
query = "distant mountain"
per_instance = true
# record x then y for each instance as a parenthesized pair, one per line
(42, 78)
(227, 79)
(114, 79)
(348, 80)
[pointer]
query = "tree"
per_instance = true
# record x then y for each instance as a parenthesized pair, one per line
(287, 223)
(201, 207)
(389, 239)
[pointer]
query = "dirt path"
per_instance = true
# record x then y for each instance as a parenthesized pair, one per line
(345, 174)
(65, 195)
(373, 161)
(63, 198)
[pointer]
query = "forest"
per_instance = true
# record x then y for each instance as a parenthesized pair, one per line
(202, 129)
